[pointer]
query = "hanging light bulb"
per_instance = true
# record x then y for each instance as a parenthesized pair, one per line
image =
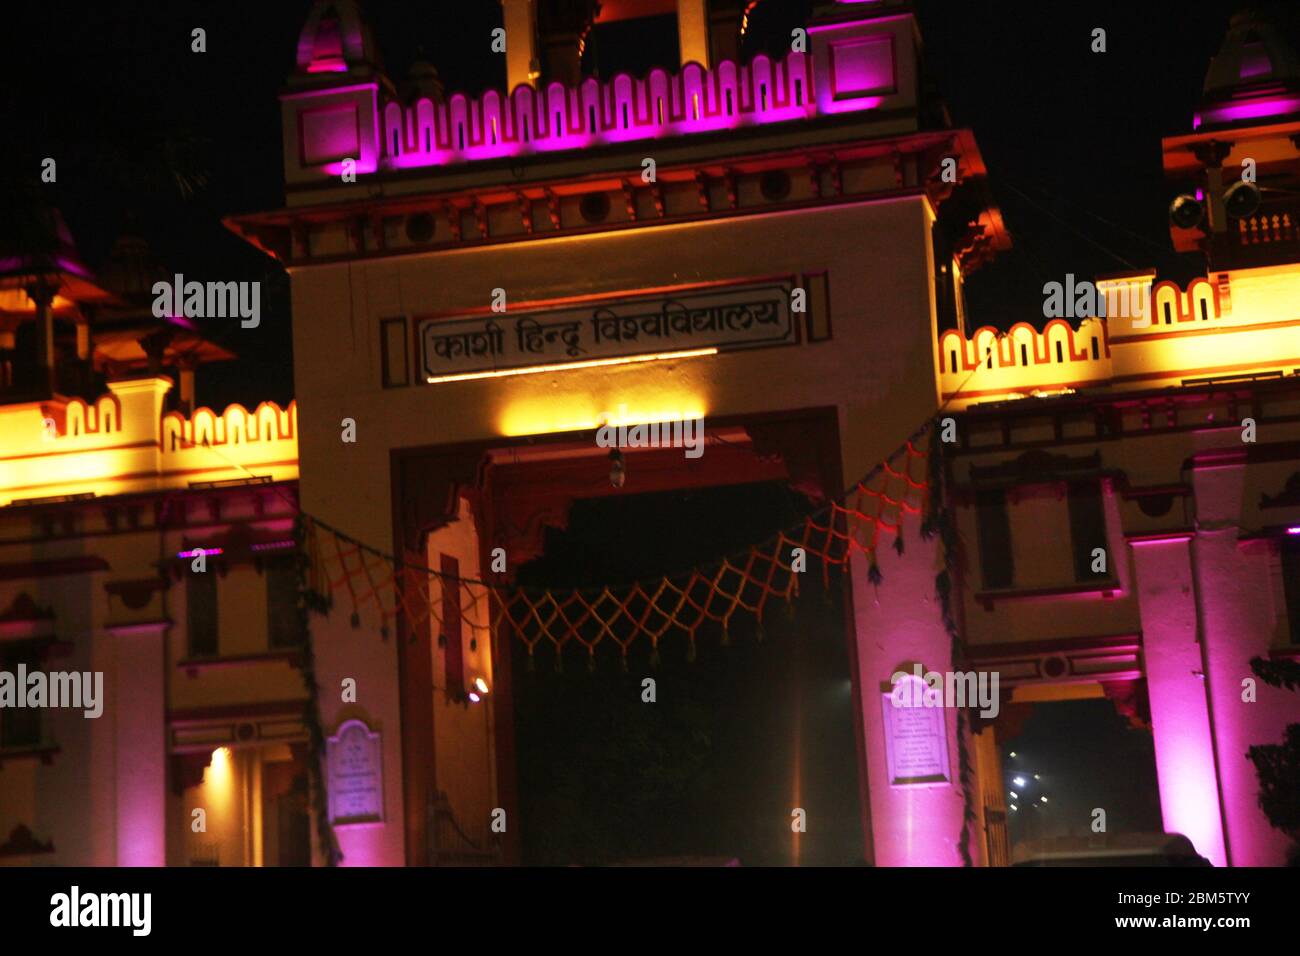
(617, 468)
(481, 684)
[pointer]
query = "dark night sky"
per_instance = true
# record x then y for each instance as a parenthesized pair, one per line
(105, 87)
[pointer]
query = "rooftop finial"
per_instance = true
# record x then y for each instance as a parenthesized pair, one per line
(335, 39)
(1253, 52)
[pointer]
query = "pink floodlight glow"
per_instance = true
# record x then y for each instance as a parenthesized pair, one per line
(361, 167)
(1294, 529)
(865, 103)
(595, 113)
(834, 27)
(1185, 774)
(1255, 62)
(197, 551)
(861, 71)
(13, 264)
(283, 545)
(327, 66)
(1250, 109)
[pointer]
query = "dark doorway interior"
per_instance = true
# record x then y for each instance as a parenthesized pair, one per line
(286, 820)
(707, 771)
(1081, 755)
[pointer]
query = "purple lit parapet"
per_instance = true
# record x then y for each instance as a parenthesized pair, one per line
(854, 64)
(597, 113)
(1274, 102)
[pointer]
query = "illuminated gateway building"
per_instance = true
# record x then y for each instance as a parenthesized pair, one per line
(480, 283)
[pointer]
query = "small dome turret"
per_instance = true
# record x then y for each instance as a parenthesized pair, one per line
(1253, 53)
(336, 39)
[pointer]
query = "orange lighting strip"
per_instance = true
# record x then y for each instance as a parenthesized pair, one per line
(563, 366)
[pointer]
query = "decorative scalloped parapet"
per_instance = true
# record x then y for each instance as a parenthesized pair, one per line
(101, 417)
(123, 443)
(1176, 335)
(990, 365)
(857, 64)
(1201, 301)
(598, 112)
(235, 426)
(340, 107)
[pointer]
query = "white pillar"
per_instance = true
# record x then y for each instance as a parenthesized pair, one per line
(1239, 622)
(912, 824)
(1180, 720)
(138, 699)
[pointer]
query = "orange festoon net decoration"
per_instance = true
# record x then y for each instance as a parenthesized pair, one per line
(341, 566)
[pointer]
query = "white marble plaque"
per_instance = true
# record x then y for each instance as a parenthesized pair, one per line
(916, 740)
(356, 775)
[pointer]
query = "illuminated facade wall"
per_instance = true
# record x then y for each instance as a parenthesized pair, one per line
(101, 507)
(1167, 436)
(102, 504)
(1237, 322)
(1196, 523)
(866, 372)
(843, 208)
(126, 444)
(329, 120)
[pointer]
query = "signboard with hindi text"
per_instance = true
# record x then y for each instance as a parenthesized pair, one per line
(723, 318)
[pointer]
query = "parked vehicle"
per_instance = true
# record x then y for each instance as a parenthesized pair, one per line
(1110, 849)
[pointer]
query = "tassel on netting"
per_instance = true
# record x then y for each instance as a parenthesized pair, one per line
(873, 573)
(383, 632)
(623, 660)
(898, 542)
(559, 660)
(789, 609)
(591, 661)
(759, 632)
(690, 652)
(726, 632)
(654, 657)
(356, 619)
(532, 662)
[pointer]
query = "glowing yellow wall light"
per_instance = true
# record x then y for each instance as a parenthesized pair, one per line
(220, 762)
(541, 418)
(219, 782)
(565, 366)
